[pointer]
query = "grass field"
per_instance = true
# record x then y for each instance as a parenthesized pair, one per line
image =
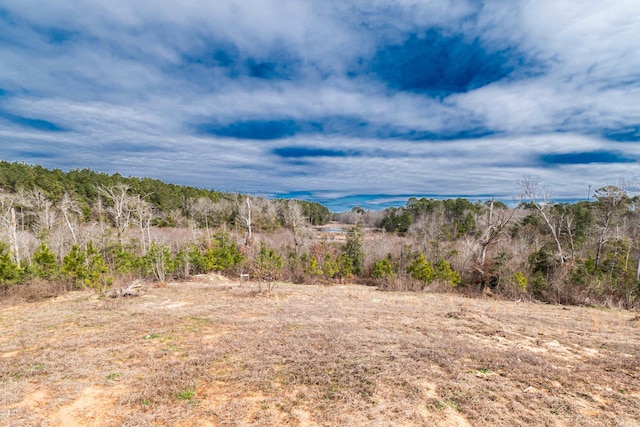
(212, 352)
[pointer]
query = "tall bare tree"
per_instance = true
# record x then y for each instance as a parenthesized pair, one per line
(69, 206)
(143, 214)
(119, 210)
(43, 211)
(202, 209)
(497, 222)
(244, 210)
(297, 220)
(540, 198)
(428, 227)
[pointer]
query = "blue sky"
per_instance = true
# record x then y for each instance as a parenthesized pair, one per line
(342, 102)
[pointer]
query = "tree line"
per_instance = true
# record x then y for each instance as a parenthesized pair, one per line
(587, 252)
(89, 229)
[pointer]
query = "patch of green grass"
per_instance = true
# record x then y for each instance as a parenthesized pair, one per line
(186, 394)
(113, 376)
(451, 404)
(481, 371)
(441, 405)
(437, 404)
(150, 336)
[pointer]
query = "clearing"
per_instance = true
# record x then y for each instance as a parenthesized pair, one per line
(211, 352)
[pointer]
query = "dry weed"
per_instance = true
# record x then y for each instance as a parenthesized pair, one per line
(220, 353)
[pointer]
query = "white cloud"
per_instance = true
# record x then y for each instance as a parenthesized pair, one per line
(119, 81)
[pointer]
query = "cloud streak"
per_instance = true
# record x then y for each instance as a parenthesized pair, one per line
(341, 102)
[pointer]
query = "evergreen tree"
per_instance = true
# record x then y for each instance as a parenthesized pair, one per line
(353, 250)
(445, 274)
(74, 266)
(45, 265)
(10, 273)
(422, 270)
(383, 268)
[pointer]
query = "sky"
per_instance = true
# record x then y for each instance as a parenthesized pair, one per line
(345, 102)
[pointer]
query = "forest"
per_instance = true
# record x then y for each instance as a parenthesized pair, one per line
(80, 229)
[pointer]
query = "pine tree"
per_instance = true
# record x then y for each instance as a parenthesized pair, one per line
(45, 265)
(422, 270)
(10, 272)
(74, 266)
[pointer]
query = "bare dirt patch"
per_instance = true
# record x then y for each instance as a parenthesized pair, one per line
(214, 352)
(92, 408)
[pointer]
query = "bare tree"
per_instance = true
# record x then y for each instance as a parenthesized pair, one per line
(540, 199)
(222, 211)
(268, 211)
(23, 204)
(98, 211)
(14, 236)
(496, 225)
(611, 200)
(203, 208)
(8, 222)
(43, 211)
(244, 210)
(143, 213)
(296, 218)
(69, 206)
(569, 222)
(119, 210)
(428, 227)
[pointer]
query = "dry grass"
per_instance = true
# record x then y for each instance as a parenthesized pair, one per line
(210, 352)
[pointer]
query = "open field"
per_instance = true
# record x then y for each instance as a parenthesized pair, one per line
(212, 352)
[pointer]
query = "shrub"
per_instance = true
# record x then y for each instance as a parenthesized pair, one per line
(383, 268)
(86, 268)
(10, 272)
(125, 261)
(445, 274)
(158, 261)
(538, 285)
(422, 270)
(312, 267)
(520, 280)
(221, 254)
(268, 263)
(73, 266)
(97, 269)
(45, 265)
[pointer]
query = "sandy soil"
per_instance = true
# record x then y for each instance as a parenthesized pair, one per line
(213, 353)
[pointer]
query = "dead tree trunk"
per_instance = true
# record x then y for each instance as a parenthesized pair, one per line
(245, 214)
(14, 237)
(296, 219)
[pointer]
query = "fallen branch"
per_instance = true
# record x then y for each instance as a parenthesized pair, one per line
(133, 289)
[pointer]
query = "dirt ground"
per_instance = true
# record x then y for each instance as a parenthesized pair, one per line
(214, 353)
